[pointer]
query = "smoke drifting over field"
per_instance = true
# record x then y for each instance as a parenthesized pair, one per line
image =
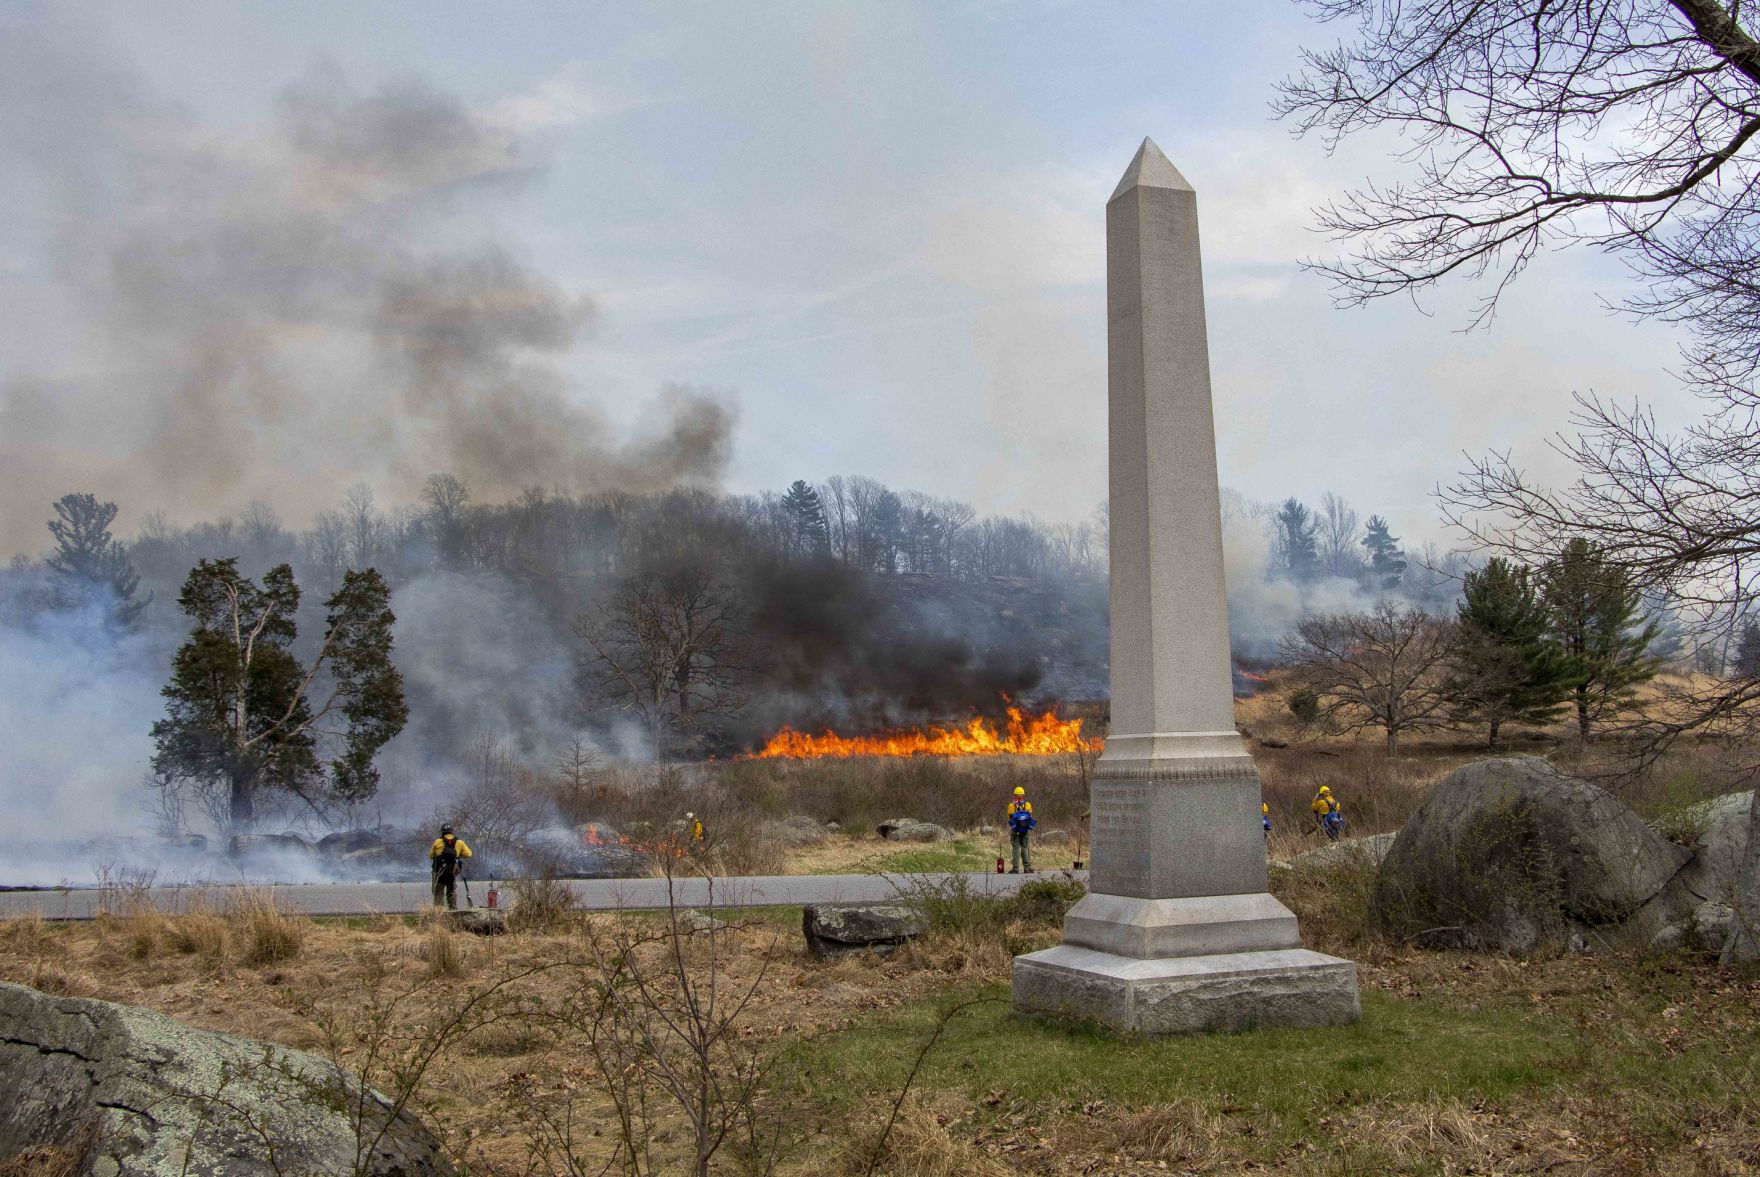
(271, 310)
(243, 324)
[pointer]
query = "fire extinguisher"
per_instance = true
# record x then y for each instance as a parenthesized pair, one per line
(1001, 869)
(494, 895)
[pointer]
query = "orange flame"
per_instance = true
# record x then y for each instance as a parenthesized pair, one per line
(1025, 735)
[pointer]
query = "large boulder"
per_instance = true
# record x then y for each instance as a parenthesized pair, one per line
(384, 864)
(1511, 856)
(479, 921)
(350, 842)
(909, 829)
(834, 928)
(590, 851)
(795, 830)
(133, 1091)
(1366, 852)
(268, 845)
(1721, 827)
(1711, 883)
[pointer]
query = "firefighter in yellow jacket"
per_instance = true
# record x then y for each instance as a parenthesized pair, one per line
(1020, 832)
(1325, 807)
(446, 859)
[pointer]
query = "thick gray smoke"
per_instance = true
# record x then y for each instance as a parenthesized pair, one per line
(203, 315)
(76, 703)
(277, 309)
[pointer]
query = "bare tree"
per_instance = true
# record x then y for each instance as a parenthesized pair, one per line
(1630, 126)
(361, 518)
(577, 769)
(1339, 530)
(1381, 669)
(328, 544)
(665, 645)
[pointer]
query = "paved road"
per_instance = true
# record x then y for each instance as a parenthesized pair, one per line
(594, 894)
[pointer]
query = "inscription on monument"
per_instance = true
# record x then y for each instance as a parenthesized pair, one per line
(1119, 821)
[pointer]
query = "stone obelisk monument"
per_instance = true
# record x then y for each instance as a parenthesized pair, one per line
(1178, 934)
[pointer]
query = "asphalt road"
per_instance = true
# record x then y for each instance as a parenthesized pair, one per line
(594, 894)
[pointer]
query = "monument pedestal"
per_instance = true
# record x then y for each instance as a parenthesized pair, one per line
(1171, 814)
(1286, 987)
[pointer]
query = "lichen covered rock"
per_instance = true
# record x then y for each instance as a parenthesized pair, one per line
(135, 1092)
(1511, 856)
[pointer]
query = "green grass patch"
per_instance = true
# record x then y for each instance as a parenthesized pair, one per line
(961, 854)
(1284, 1081)
(1400, 1050)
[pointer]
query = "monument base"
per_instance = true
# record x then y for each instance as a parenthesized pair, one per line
(1291, 987)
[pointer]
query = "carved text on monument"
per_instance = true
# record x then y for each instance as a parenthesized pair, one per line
(1119, 819)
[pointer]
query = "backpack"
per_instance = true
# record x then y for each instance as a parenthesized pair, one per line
(447, 861)
(1020, 821)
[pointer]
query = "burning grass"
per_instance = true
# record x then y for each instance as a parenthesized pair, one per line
(1045, 734)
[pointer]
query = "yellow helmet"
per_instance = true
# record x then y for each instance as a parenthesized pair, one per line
(1325, 791)
(1019, 792)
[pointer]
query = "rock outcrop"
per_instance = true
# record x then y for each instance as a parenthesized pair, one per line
(1369, 852)
(797, 829)
(349, 842)
(1511, 856)
(135, 1092)
(1697, 908)
(479, 921)
(833, 928)
(909, 829)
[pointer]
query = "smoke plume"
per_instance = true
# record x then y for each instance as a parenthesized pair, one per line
(276, 309)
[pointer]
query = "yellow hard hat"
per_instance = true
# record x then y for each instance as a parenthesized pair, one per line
(1019, 792)
(1326, 790)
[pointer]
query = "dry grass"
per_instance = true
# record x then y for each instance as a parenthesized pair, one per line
(266, 933)
(444, 952)
(956, 1122)
(1182, 1136)
(46, 1161)
(919, 1143)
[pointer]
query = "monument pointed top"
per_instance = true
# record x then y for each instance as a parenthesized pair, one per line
(1150, 169)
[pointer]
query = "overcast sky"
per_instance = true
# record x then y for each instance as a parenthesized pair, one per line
(873, 231)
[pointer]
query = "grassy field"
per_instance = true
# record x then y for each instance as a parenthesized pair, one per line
(1618, 1064)
(969, 795)
(914, 1064)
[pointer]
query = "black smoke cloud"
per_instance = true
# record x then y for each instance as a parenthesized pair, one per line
(863, 652)
(279, 309)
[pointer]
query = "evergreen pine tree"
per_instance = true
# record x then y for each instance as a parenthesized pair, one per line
(1747, 659)
(809, 532)
(1595, 615)
(89, 565)
(237, 714)
(888, 530)
(1387, 564)
(1297, 550)
(1506, 668)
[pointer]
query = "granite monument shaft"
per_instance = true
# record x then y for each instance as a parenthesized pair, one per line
(1179, 933)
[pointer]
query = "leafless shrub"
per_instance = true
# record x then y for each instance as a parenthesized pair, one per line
(1380, 669)
(661, 1016)
(542, 904)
